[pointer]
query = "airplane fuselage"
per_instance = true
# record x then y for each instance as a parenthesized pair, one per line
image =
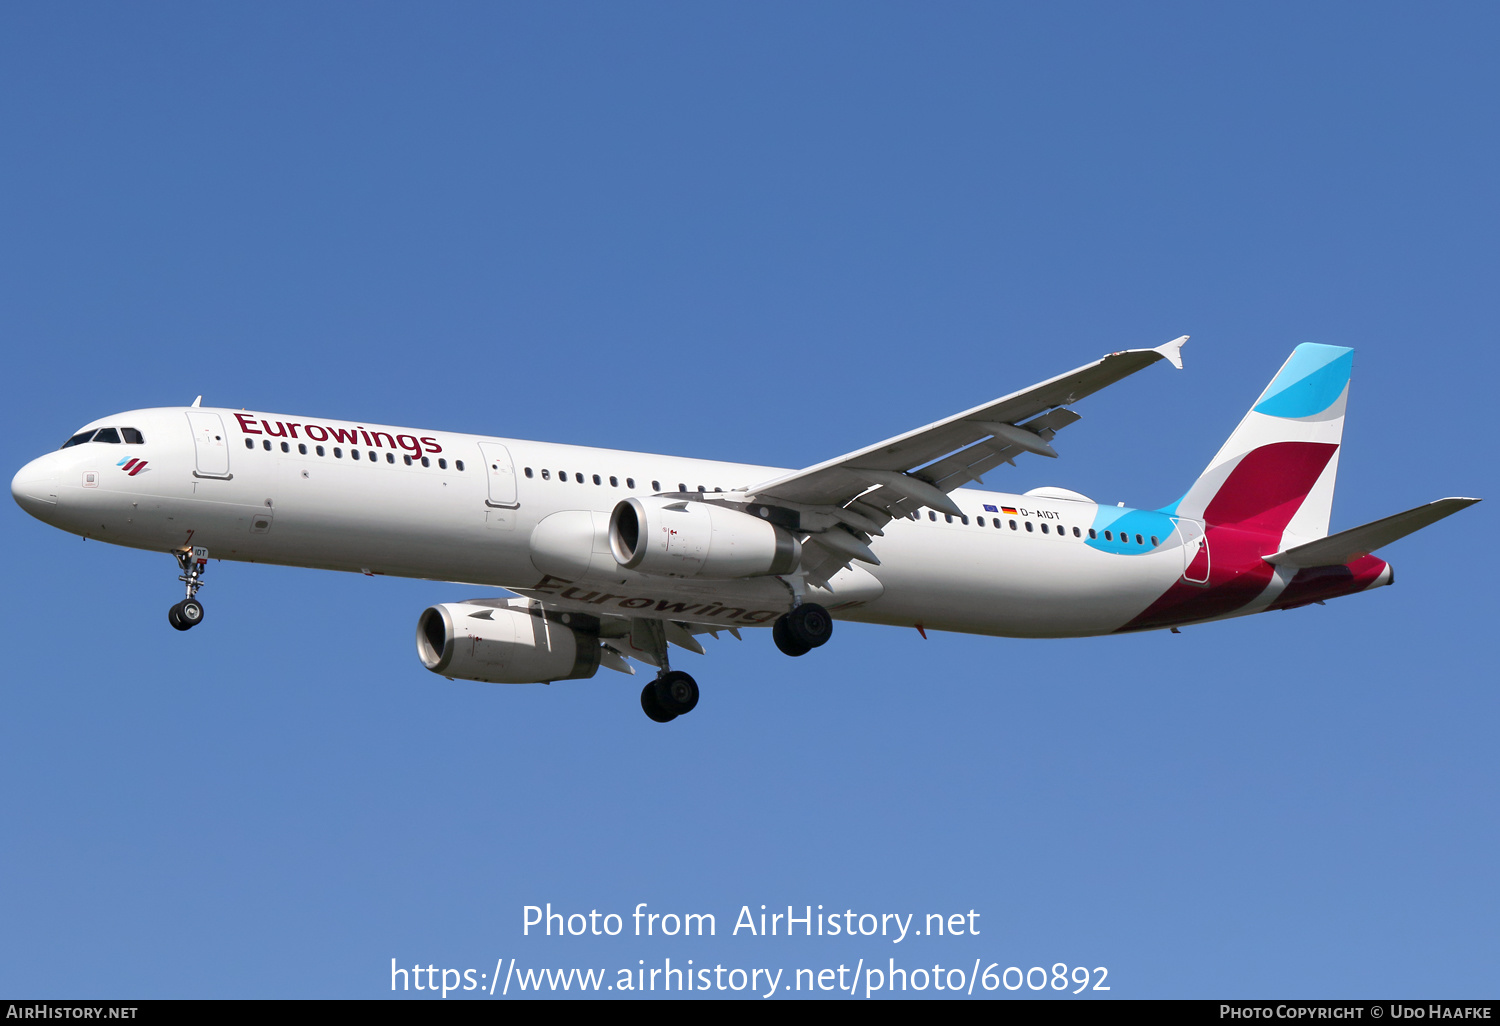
(533, 517)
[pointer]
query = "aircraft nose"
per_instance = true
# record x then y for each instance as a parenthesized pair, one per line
(35, 488)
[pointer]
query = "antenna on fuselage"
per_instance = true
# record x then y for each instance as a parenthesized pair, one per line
(197, 402)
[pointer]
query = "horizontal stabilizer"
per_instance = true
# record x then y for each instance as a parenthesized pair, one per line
(1339, 549)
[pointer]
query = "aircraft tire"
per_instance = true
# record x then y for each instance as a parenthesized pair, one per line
(789, 645)
(190, 611)
(174, 617)
(676, 693)
(810, 625)
(650, 707)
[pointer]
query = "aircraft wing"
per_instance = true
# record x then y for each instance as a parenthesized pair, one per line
(852, 497)
(620, 637)
(647, 639)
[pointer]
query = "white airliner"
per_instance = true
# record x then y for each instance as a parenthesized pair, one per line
(612, 555)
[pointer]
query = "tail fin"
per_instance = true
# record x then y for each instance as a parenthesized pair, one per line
(1276, 472)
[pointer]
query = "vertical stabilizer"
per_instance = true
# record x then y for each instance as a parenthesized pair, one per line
(1276, 472)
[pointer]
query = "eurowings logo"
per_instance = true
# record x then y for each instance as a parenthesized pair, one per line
(132, 466)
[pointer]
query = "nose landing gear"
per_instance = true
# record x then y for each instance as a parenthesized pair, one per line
(806, 627)
(185, 614)
(189, 612)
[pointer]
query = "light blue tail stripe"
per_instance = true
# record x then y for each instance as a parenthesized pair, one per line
(1311, 381)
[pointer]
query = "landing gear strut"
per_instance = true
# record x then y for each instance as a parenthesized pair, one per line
(189, 612)
(673, 693)
(805, 628)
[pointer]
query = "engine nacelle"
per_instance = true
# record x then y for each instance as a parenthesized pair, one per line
(503, 644)
(685, 538)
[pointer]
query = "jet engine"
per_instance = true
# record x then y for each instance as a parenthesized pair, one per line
(510, 644)
(684, 538)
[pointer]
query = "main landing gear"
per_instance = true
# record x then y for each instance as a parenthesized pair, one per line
(806, 627)
(669, 696)
(189, 612)
(673, 693)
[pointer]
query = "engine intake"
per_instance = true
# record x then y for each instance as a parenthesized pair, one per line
(687, 538)
(503, 644)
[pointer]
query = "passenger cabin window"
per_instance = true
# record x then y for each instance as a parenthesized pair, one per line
(458, 464)
(353, 453)
(132, 436)
(390, 457)
(528, 469)
(656, 486)
(302, 448)
(629, 482)
(1108, 536)
(1012, 525)
(320, 451)
(597, 479)
(442, 464)
(1154, 541)
(267, 445)
(546, 475)
(426, 462)
(249, 443)
(614, 482)
(1093, 533)
(1029, 527)
(286, 447)
(406, 458)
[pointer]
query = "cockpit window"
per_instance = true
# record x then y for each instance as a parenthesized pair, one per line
(109, 434)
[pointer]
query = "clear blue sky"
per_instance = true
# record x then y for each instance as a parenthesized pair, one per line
(773, 233)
